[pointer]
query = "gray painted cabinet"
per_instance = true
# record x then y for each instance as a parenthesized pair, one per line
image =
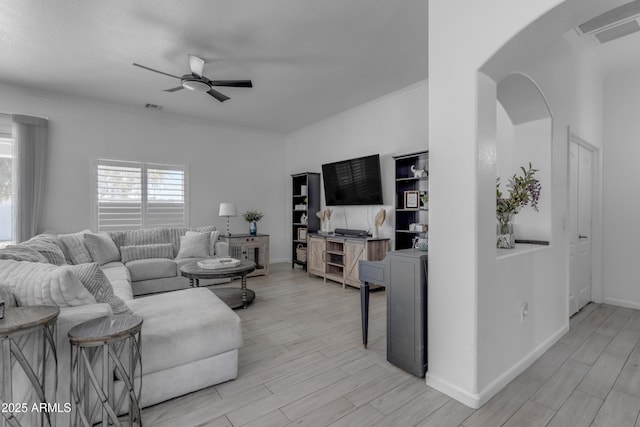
(404, 275)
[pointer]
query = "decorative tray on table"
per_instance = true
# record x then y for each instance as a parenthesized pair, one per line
(218, 263)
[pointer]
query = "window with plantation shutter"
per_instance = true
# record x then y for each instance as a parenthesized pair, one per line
(165, 196)
(139, 195)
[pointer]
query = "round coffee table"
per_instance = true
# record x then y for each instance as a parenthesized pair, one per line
(233, 297)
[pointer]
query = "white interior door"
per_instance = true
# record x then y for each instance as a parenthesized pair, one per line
(580, 226)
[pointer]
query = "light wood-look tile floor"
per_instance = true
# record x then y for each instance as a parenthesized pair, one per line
(303, 364)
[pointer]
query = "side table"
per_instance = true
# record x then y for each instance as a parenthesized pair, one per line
(100, 345)
(252, 248)
(20, 328)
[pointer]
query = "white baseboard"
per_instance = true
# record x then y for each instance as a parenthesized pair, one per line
(622, 303)
(279, 261)
(453, 391)
(477, 400)
(509, 375)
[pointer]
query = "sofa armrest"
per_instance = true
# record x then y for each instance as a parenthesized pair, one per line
(222, 248)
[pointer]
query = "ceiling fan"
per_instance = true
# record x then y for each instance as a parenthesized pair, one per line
(196, 81)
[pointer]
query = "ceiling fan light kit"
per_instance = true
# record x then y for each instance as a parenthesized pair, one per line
(199, 83)
(196, 85)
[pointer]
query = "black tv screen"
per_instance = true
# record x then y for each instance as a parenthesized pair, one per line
(353, 182)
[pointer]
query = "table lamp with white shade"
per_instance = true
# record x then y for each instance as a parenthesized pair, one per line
(228, 210)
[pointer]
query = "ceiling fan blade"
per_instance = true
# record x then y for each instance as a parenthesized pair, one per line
(174, 89)
(196, 65)
(155, 71)
(217, 95)
(232, 83)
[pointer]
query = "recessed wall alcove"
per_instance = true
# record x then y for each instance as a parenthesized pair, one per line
(524, 134)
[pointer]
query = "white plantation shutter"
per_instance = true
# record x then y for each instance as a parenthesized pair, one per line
(134, 195)
(119, 195)
(165, 196)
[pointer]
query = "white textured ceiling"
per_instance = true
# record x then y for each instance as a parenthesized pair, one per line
(308, 59)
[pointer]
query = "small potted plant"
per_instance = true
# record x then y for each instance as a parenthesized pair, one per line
(252, 217)
(522, 190)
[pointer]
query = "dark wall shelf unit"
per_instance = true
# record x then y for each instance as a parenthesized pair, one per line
(305, 204)
(412, 219)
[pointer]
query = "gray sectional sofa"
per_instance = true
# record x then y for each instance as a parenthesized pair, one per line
(190, 339)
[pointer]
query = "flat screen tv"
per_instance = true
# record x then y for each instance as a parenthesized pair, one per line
(353, 182)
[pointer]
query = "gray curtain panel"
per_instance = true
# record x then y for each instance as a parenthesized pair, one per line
(30, 136)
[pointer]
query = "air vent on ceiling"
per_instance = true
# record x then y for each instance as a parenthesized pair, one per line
(618, 31)
(153, 106)
(612, 25)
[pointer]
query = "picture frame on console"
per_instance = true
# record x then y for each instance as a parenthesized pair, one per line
(411, 199)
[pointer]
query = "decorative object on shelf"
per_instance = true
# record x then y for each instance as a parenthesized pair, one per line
(411, 199)
(228, 210)
(418, 173)
(421, 228)
(301, 207)
(303, 190)
(424, 199)
(421, 243)
(252, 217)
(378, 221)
(301, 253)
(325, 220)
(302, 233)
(523, 190)
(304, 218)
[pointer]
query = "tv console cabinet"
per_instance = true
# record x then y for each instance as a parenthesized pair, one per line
(336, 258)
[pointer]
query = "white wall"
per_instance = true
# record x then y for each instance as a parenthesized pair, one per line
(571, 80)
(621, 201)
(225, 164)
(477, 343)
(391, 125)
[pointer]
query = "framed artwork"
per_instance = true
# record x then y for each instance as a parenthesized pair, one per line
(411, 199)
(302, 233)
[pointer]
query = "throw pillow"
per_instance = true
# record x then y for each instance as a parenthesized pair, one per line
(134, 252)
(74, 248)
(147, 236)
(47, 245)
(101, 248)
(43, 284)
(94, 279)
(21, 253)
(194, 245)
